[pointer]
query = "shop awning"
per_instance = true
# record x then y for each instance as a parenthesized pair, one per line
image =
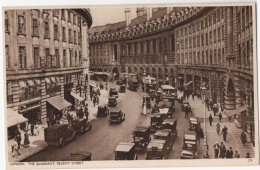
(30, 82)
(47, 80)
(14, 118)
(76, 96)
(92, 83)
(22, 84)
(58, 102)
(235, 111)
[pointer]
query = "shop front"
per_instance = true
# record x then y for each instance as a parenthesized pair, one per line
(56, 107)
(15, 123)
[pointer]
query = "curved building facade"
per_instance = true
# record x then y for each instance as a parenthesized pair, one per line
(210, 45)
(46, 54)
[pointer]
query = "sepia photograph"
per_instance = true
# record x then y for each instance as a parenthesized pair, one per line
(132, 82)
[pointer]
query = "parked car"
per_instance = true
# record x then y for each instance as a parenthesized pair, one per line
(112, 102)
(156, 149)
(171, 125)
(122, 89)
(190, 145)
(156, 121)
(194, 124)
(81, 125)
(185, 104)
(102, 111)
(113, 92)
(59, 134)
(141, 136)
(125, 151)
(166, 108)
(79, 156)
(147, 100)
(116, 116)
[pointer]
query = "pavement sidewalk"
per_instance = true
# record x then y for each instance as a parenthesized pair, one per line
(37, 144)
(233, 137)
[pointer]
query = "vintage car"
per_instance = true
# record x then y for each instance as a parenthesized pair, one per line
(122, 89)
(141, 136)
(194, 124)
(59, 134)
(157, 149)
(147, 100)
(171, 125)
(156, 121)
(116, 116)
(113, 92)
(81, 125)
(125, 151)
(165, 135)
(112, 102)
(185, 104)
(190, 145)
(102, 111)
(78, 156)
(133, 83)
(166, 108)
(152, 93)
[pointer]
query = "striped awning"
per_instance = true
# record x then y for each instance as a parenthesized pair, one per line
(14, 118)
(58, 102)
(236, 111)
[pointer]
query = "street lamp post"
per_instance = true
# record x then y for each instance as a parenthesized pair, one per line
(203, 95)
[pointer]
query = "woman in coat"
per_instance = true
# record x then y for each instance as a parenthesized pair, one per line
(26, 142)
(243, 137)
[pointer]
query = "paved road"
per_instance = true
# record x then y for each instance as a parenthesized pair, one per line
(103, 138)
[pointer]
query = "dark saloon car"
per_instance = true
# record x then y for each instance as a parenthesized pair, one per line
(185, 105)
(116, 116)
(59, 134)
(166, 108)
(156, 149)
(79, 156)
(102, 111)
(125, 151)
(113, 92)
(156, 121)
(112, 102)
(141, 136)
(190, 145)
(171, 125)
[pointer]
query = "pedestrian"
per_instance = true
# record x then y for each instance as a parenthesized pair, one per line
(216, 150)
(98, 92)
(18, 140)
(210, 120)
(94, 100)
(32, 128)
(243, 137)
(106, 86)
(236, 154)
(97, 100)
(220, 117)
(81, 112)
(229, 118)
(224, 132)
(26, 142)
(14, 149)
(222, 149)
(218, 127)
(248, 155)
(193, 95)
(186, 112)
(91, 95)
(229, 153)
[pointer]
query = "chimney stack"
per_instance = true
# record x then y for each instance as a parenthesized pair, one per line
(127, 16)
(149, 13)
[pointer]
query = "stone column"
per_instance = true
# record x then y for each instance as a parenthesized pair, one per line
(193, 83)
(209, 90)
(62, 86)
(43, 101)
(218, 90)
(15, 92)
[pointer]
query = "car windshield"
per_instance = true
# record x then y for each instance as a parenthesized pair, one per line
(155, 119)
(152, 154)
(139, 134)
(167, 126)
(121, 155)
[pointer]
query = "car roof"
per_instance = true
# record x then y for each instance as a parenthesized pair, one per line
(124, 147)
(167, 87)
(141, 128)
(193, 119)
(56, 126)
(164, 104)
(169, 121)
(156, 144)
(112, 97)
(185, 101)
(190, 135)
(156, 114)
(112, 88)
(162, 133)
(187, 152)
(114, 110)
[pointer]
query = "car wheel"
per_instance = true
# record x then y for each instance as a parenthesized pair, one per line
(61, 142)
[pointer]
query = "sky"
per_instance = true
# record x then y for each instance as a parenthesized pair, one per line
(109, 14)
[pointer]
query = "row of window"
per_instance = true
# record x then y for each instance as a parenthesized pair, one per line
(36, 32)
(245, 53)
(244, 17)
(48, 61)
(100, 61)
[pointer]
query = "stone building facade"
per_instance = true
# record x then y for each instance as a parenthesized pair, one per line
(210, 45)
(46, 54)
